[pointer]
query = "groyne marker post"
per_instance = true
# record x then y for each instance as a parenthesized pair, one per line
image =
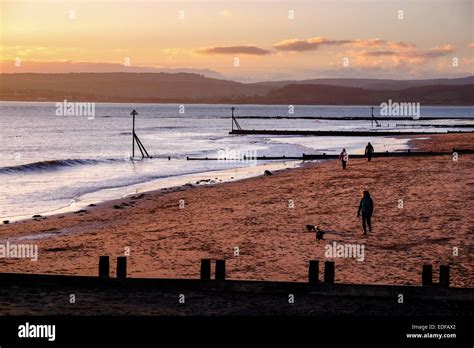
(234, 120)
(134, 113)
(136, 139)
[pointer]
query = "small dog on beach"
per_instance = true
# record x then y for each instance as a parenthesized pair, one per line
(319, 232)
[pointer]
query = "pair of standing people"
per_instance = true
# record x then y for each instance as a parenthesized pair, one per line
(344, 156)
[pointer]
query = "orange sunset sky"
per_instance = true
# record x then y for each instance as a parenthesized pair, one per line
(242, 40)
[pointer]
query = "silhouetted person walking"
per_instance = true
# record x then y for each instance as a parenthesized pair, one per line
(366, 207)
(369, 149)
(343, 157)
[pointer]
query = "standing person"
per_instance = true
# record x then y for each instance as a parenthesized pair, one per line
(343, 157)
(369, 149)
(366, 206)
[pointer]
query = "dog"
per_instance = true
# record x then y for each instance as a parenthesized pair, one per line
(319, 232)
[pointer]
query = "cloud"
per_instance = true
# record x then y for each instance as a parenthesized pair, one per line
(407, 60)
(311, 44)
(400, 45)
(297, 45)
(412, 53)
(372, 43)
(377, 53)
(251, 50)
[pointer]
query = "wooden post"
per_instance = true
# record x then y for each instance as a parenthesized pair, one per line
(122, 267)
(372, 123)
(313, 276)
(220, 269)
(104, 266)
(134, 112)
(427, 275)
(329, 272)
(136, 139)
(444, 276)
(232, 118)
(205, 269)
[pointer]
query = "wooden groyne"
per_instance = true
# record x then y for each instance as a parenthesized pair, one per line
(353, 118)
(236, 128)
(325, 156)
(435, 125)
(314, 286)
(324, 133)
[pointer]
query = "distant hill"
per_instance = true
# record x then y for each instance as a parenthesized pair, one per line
(380, 84)
(99, 68)
(196, 88)
(336, 95)
(126, 87)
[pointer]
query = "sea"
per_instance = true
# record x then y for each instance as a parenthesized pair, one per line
(52, 161)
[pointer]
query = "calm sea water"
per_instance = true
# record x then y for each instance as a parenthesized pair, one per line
(48, 161)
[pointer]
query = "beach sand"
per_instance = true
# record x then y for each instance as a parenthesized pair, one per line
(254, 215)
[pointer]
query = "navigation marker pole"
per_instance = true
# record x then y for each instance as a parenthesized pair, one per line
(137, 140)
(374, 119)
(234, 120)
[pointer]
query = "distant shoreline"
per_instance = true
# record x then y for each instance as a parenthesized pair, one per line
(198, 89)
(203, 102)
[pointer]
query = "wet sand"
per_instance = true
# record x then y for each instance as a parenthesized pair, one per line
(43, 300)
(254, 215)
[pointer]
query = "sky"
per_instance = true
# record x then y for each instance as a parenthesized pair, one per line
(242, 40)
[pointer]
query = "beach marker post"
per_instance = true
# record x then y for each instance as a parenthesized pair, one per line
(234, 120)
(205, 269)
(137, 140)
(104, 266)
(121, 267)
(220, 269)
(373, 118)
(329, 272)
(444, 276)
(427, 275)
(134, 113)
(313, 274)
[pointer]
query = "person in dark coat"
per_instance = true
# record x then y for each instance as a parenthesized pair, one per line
(366, 207)
(369, 149)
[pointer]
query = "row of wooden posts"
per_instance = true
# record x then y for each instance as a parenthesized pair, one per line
(313, 272)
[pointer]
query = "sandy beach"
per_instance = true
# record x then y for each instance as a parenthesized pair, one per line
(166, 240)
